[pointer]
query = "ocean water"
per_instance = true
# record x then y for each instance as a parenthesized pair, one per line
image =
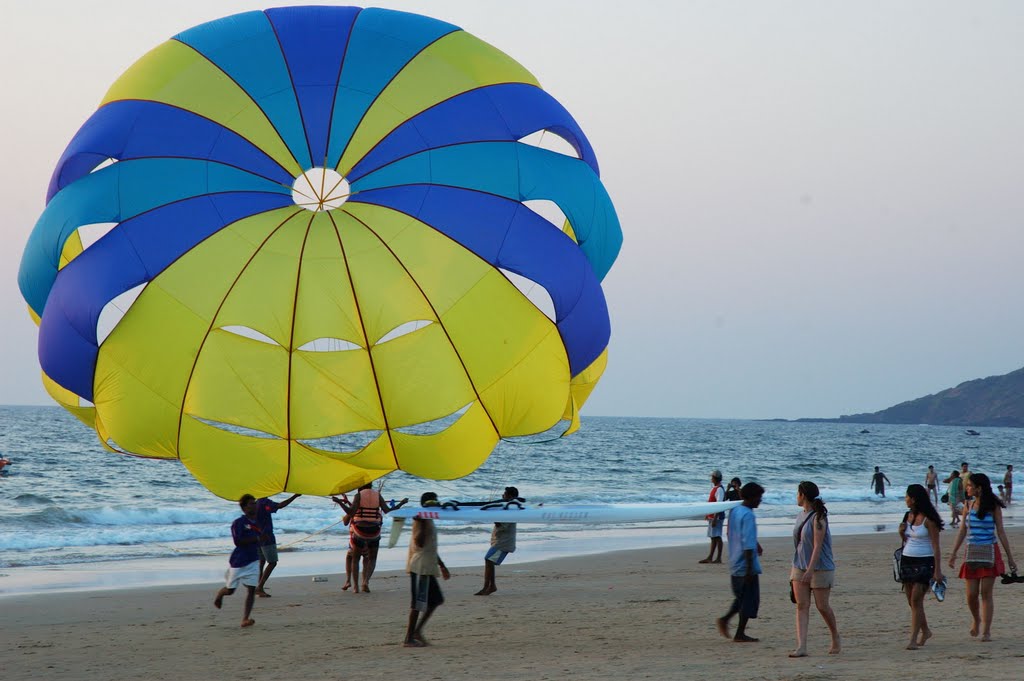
(67, 501)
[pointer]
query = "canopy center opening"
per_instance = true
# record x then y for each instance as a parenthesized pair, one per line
(320, 189)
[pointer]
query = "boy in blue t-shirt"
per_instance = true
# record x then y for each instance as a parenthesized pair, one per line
(243, 565)
(744, 565)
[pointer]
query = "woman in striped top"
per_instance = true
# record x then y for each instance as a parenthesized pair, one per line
(982, 525)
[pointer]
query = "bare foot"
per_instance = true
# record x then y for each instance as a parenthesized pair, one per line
(218, 601)
(485, 591)
(723, 627)
(717, 561)
(986, 638)
(419, 637)
(346, 586)
(743, 638)
(705, 560)
(414, 644)
(262, 594)
(798, 653)
(925, 635)
(248, 622)
(355, 588)
(836, 648)
(912, 645)
(974, 628)
(366, 588)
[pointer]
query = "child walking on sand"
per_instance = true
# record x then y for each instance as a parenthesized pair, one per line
(243, 565)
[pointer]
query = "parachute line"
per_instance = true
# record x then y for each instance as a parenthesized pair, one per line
(329, 345)
(115, 310)
(370, 106)
(362, 327)
(93, 232)
(104, 164)
(435, 426)
(252, 334)
(236, 429)
(213, 321)
(549, 210)
(550, 141)
(291, 354)
(404, 330)
(441, 324)
(337, 84)
(343, 443)
(532, 291)
(257, 104)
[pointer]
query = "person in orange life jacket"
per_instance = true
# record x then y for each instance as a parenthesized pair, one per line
(503, 542)
(243, 565)
(365, 516)
(268, 548)
(715, 520)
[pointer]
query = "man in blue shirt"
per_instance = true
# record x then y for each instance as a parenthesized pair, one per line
(744, 565)
(268, 546)
(243, 565)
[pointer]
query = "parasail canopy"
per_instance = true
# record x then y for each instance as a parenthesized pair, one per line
(299, 248)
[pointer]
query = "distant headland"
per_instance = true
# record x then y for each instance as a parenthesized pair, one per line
(992, 401)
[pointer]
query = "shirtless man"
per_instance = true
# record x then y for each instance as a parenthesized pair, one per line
(1008, 485)
(878, 481)
(931, 482)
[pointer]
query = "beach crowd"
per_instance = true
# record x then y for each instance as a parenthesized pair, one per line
(976, 510)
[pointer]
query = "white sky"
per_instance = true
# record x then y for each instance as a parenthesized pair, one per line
(822, 201)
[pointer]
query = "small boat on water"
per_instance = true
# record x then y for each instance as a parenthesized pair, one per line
(972, 432)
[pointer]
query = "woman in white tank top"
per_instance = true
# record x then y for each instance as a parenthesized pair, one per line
(920, 566)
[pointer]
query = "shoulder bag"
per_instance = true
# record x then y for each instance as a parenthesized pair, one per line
(796, 545)
(980, 555)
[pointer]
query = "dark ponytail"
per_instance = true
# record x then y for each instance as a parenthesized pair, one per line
(811, 492)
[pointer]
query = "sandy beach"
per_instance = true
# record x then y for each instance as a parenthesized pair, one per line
(637, 614)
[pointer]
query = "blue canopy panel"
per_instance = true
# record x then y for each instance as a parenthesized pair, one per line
(115, 194)
(519, 172)
(495, 113)
(133, 129)
(506, 234)
(245, 47)
(313, 40)
(135, 252)
(383, 41)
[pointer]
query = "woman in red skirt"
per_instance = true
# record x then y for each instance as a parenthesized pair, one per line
(982, 525)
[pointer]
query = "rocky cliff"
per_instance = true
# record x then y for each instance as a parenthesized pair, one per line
(992, 401)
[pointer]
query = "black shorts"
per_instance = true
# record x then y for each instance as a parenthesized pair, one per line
(748, 595)
(426, 592)
(917, 569)
(360, 545)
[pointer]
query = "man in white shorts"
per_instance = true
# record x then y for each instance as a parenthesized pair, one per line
(244, 563)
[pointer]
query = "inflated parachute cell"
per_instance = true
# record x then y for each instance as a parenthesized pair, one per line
(298, 249)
